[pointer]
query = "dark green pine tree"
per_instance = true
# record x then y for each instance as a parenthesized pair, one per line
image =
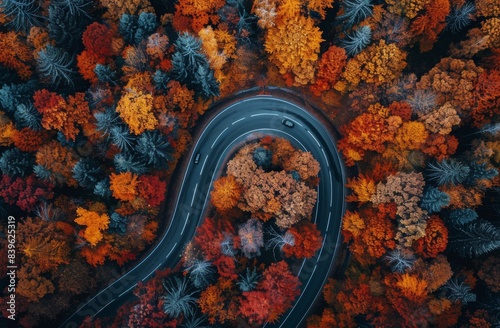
(154, 149)
(15, 163)
(12, 95)
(55, 65)
(88, 173)
(262, 157)
(474, 239)
(248, 281)
(457, 290)
(23, 14)
(121, 137)
(479, 171)
(26, 116)
(433, 200)
(106, 120)
(66, 26)
(190, 66)
(448, 172)
(105, 74)
(160, 80)
(201, 273)
(134, 29)
(102, 188)
(117, 224)
(130, 163)
(461, 216)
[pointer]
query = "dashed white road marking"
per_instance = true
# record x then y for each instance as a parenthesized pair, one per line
(219, 137)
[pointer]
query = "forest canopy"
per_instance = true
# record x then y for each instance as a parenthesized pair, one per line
(99, 100)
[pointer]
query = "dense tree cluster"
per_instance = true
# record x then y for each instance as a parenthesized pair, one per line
(97, 99)
(239, 264)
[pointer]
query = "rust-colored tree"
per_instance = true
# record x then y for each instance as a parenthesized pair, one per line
(218, 302)
(303, 163)
(15, 54)
(280, 287)
(367, 132)
(152, 189)
(330, 68)
(486, 101)
(440, 146)
(255, 307)
(45, 251)
(307, 239)
(96, 255)
(427, 27)
(326, 320)
(62, 115)
(196, 14)
(435, 240)
(32, 284)
(97, 39)
(29, 140)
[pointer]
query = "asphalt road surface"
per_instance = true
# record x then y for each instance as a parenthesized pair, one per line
(240, 121)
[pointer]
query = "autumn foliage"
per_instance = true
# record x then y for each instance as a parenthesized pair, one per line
(330, 68)
(95, 224)
(294, 47)
(226, 193)
(307, 239)
(124, 186)
(99, 101)
(15, 54)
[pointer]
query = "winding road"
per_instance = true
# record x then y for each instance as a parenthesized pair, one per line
(236, 122)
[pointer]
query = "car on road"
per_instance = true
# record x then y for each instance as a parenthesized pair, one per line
(288, 123)
(197, 158)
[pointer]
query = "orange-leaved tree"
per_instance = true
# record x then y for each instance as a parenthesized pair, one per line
(486, 101)
(367, 132)
(32, 284)
(123, 185)
(293, 46)
(196, 14)
(216, 301)
(226, 193)
(95, 224)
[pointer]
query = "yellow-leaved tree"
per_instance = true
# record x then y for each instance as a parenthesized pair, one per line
(136, 109)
